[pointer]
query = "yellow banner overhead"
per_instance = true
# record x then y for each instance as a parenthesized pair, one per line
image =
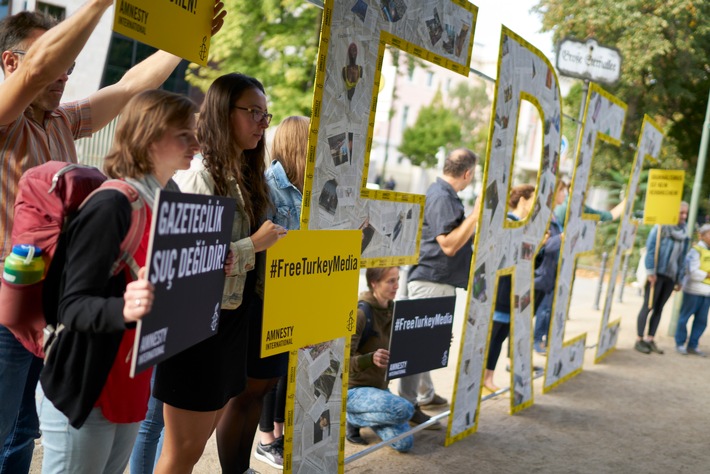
(310, 293)
(181, 27)
(663, 196)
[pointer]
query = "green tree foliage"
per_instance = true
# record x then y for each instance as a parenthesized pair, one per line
(436, 126)
(665, 69)
(470, 103)
(275, 41)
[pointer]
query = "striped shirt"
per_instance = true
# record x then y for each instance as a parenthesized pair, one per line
(25, 143)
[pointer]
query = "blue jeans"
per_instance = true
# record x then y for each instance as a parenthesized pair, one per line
(19, 426)
(692, 305)
(386, 413)
(149, 442)
(542, 325)
(98, 447)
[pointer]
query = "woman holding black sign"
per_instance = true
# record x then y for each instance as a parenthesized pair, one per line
(91, 408)
(199, 384)
(370, 403)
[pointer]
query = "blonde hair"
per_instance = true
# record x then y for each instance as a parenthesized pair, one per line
(290, 147)
(144, 120)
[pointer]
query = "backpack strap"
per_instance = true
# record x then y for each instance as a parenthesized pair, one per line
(367, 332)
(130, 243)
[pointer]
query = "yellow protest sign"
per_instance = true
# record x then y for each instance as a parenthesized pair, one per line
(181, 27)
(310, 293)
(663, 196)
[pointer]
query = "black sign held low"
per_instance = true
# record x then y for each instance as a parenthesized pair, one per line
(421, 335)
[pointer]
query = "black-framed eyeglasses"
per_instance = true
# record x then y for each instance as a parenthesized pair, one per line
(22, 53)
(257, 115)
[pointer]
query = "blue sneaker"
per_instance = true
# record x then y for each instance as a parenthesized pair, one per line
(539, 348)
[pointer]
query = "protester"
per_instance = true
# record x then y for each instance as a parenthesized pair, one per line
(444, 259)
(241, 416)
(37, 59)
(665, 254)
(546, 274)
(560, 212)
(696, 295)
(370, 403)
(91, 406)
(285, 181)
(197, 384)
(520, 203)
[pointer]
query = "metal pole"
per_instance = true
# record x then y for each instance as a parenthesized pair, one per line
(699, 171)
(624, 269)
(694, 200)
(601, 281)
(585, 92)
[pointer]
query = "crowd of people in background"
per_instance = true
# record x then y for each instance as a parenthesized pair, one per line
(99, 419)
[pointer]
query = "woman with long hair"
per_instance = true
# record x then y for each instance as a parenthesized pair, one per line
(91, 408)
(197, 385)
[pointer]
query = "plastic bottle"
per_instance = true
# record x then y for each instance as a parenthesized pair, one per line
(24, 265)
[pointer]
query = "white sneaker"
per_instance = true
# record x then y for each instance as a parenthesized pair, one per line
(681, 350)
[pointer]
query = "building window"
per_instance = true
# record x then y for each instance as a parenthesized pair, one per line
(410, 74)
(52, 10)
(429, 79)
(125, 52)
(405, 115)
(4, 8)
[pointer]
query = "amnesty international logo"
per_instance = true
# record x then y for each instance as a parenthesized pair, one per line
(203, 49)
(351, 322)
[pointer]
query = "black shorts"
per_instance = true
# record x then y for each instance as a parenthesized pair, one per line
(207, 375)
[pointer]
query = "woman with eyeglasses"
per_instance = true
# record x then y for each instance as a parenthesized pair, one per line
(197, 385)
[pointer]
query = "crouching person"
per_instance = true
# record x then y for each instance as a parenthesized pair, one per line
(370, 403)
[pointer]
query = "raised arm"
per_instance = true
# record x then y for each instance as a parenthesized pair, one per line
(453, 241)
(148, 74)
(46, 60)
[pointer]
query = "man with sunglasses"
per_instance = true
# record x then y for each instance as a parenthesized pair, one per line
(37, 58)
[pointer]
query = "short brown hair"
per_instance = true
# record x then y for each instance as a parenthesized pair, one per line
(373, 275)
(144, 120)
(459, 161)
(15, 29)
(290, 147)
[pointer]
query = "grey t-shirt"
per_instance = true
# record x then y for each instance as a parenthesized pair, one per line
(443, 212)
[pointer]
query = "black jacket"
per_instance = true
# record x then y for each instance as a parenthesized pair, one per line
(91, 306)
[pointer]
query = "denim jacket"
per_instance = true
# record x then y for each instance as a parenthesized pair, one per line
(285, 197)
(664, 252)
(199, 181)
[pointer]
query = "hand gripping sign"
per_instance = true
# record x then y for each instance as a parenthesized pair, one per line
(504, 247)
(604, 119)
(649, 146)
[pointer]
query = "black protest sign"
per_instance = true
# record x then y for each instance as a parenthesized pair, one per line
(189, 243)
(421, 335)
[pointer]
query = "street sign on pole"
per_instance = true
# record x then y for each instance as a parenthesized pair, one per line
(588, 60)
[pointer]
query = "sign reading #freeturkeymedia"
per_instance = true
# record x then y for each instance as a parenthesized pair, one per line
(189, 243)
(310, 293)
(180, 27)
(421, 335)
